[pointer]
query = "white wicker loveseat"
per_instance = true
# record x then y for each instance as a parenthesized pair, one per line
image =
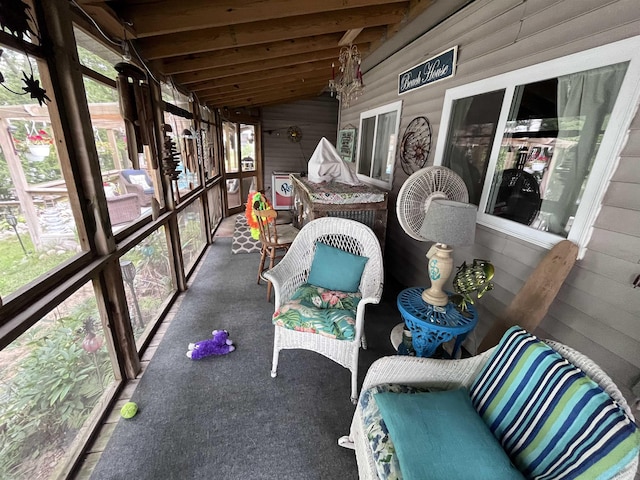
(438, 375)
(293, 271)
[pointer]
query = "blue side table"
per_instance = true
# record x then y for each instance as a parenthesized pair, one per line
(432, 326)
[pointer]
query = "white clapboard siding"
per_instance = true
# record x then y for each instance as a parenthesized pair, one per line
(316, 118)
(596, 310)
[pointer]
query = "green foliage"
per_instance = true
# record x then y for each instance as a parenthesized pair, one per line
(17, 270)
(54, 388)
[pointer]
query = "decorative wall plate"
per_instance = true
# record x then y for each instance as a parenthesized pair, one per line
(294, 134)
(416, 145)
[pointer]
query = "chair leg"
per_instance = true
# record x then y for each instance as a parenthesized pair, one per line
(276, 352)
(272, 258)
(354, 380)
(346, 442)
(263, 257)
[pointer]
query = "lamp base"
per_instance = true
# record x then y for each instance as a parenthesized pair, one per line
(440, 268)
(438, 299)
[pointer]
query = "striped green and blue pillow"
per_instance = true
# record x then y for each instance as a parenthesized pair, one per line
(551, 419)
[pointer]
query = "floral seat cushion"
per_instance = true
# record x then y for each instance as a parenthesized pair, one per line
(382, 448)
(318, 310)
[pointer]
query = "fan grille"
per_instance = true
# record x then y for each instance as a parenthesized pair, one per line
(420, 189)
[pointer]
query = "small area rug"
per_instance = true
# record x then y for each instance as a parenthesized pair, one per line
(242, 240)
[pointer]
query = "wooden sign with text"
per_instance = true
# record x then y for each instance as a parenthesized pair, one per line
(433, 70)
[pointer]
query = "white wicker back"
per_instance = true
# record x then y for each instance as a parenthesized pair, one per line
(293, 270)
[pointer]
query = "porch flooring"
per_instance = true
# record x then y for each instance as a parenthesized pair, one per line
(92, 456)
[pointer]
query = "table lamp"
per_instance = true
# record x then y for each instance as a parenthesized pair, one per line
(448, 223)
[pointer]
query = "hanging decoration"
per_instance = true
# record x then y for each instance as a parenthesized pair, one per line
(259, 201)
(15, 16)
(170, 156)
(416, 145)
(348, 84)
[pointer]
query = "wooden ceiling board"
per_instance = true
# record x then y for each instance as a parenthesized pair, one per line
(254, 33)
(163, 17)
(254, 52)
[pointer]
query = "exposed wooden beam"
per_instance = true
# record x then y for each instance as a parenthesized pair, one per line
(260, 82)
(349, 37)
(353, 20)
(264, 52)
(197, 76)
(274, 73)
(282, 88)
(273, 99)
(162, 17)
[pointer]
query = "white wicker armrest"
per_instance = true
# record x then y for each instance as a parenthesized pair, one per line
(425, 372)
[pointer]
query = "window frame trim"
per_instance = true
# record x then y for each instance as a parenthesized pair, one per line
(613, 140)
(375, 112)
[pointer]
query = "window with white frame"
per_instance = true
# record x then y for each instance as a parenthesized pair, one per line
(537, 146)
(377, 145)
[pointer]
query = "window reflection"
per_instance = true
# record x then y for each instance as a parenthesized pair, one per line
(146, 272)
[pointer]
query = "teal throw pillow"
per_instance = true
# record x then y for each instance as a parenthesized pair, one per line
(335, 269)
(440, 435)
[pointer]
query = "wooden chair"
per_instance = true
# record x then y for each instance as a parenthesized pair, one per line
(274, 238)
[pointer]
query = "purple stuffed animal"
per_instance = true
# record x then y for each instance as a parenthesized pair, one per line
(219, 344)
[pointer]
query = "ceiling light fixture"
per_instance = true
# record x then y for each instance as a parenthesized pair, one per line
(348, 84)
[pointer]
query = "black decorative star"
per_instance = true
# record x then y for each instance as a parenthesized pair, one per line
(33, 88)
(14, 16)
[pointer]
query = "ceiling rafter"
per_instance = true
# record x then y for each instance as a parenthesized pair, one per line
(250, 53)
(170, 16)
(254, 33)
(264, 51)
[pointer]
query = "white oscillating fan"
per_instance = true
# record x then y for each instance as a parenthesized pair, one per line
(420, 189)
(433, 206)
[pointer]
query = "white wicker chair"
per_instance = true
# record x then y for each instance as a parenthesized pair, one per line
(452, 374)
(293, 270)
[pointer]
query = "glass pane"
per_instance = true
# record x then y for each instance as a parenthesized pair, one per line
(385, 146)
(234, 193)
(472, 129)
(229, 138)
(248, 147)
(192, 236)
(37, 227)
(146, 271)
(249, 184)
(126, 201)
(173, 96)
(51, 379)
(94, 55)
(187, 147)
(367, 133)
(551, 139)
(215, 206)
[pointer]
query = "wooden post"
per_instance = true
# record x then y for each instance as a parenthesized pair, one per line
(531, 303)
(20, 183)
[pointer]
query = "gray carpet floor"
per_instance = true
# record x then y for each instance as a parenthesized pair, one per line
(225, 417)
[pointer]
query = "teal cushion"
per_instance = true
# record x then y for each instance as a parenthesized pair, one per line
(335, 269)
(439, 435)
(552, 420)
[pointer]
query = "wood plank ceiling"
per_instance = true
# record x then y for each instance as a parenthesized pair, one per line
(250, 53)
